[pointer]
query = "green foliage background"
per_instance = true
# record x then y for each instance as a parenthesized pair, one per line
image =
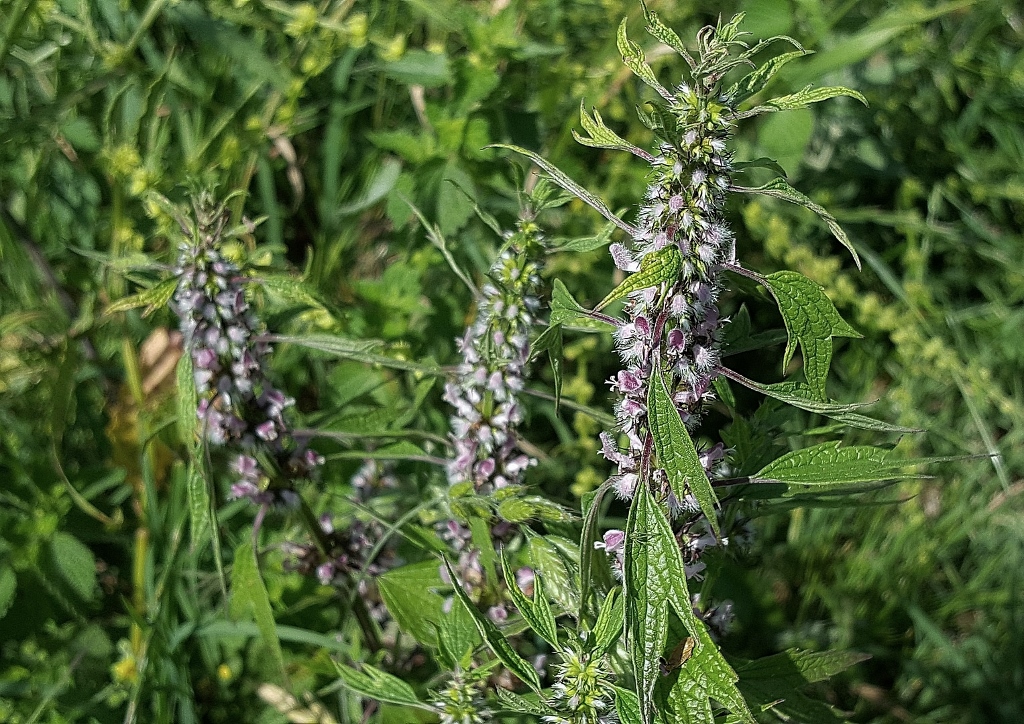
(331, 116)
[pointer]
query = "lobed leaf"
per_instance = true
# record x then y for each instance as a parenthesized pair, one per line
(633, 57)
(811, 320)
(600, 136)
(802, 99)
(156, 297)
(754, 81)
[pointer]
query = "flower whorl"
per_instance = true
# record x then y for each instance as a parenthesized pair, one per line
(238, 405)
(495, 351)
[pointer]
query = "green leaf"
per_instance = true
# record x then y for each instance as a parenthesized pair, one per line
(800, 396)
(410, 597)
(677, 455)
(8, 587)
(420, 67)
(495, 640)
(633, 57)
(550, 341)
(809, 95)
(608, 626)
(627, 706)
(587, 542)
(186, 384)
(454, 199)
(377, 188)
(198, 506)
(520, 704)
(572, 187)
(559, 569)
(811, 320)
(156, 297)
(360, 350)
(600, 136)
(779, 189)
(74, 563)
(249, 600)
(767, 163)
(537, 612)
(827, 465)
(774, 682)
(654, 578)
(705, 676)
(566, 311)
(664, 33)
(656, 268)
(754, 81)
(646, 589)
(587, 243)
(379, 685)
(457, 637)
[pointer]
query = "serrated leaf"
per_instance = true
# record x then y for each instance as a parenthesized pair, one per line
(655, 268)
(802, 98)
(360, 350)
(249, 600)
(566, 311)
(779, 189)
(633, 57)
(608, 626)
(677, 455)
(646, 591)
(293, 290)
(664, 33)
(828, 465)
(494, 639)
(409, 595)
(627, 706)
(774, 682)
(379, 685)
(799, 396)
(811, 320)
(560, 572)
(156, 297)
(600, 136)
(520, 704)
(559, 177)
(654, 578)
(794, 667)
(587, 243)
(754, 81)
(703, 677)
(767, 163)
(536, 613)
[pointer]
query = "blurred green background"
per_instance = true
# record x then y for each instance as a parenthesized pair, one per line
(331, 116)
